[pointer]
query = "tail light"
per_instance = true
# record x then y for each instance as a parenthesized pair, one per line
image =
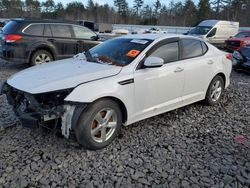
(229, 56)
(12, 38)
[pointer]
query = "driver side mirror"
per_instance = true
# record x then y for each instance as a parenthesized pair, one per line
(95, 38)
(153, 62)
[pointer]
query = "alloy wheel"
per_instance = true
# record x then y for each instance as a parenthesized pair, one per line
(216, 90)
(103, 125)
(42, 58)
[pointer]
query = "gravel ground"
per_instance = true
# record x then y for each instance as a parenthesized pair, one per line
(194, 146)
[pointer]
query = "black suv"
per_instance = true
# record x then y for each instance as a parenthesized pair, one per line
(39, 41)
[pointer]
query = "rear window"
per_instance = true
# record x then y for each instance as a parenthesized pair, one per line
(36, 29)
(204, 47)
(191, 48)
(10, 27)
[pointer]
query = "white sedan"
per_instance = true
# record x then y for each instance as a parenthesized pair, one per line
(118, 82)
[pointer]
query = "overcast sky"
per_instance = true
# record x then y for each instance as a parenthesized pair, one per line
(111, 2)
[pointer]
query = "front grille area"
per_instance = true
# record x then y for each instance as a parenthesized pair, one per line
(233, 43)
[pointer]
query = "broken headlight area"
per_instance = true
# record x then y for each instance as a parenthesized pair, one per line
(46, 110)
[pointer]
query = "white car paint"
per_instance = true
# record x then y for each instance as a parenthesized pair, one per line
(58, 75)
(154, 91)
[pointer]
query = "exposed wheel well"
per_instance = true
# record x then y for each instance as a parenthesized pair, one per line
(223, 77)
(42, 48)
(122, 106)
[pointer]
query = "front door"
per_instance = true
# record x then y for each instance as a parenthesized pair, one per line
(84, 38)
(62, 40)
(159, 89)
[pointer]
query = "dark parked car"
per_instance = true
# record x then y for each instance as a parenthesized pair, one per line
(91, 25)
(39, 41)
(241, 59)
(3, 22)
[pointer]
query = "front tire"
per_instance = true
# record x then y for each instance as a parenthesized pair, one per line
(99, 124)
(215, 91)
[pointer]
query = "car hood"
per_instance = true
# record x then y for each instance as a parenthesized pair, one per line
(60, 75)
(238, 39)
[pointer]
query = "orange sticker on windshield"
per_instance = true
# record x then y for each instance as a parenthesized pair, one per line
(133, 53)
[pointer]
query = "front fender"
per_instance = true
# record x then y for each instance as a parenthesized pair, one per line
(108, 87)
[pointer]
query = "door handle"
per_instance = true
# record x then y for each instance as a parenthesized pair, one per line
(51, 40)
(210, 62)
(178, 69)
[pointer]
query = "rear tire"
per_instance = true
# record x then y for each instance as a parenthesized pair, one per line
(99, 124)
(215, 91)
(40, 57)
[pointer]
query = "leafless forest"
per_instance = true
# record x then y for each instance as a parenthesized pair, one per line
(176, 13)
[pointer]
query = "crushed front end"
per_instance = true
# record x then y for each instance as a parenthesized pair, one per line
(41, 110)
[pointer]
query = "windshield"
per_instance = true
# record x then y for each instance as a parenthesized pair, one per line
(243, 34)
(119, 51)
(200, 30)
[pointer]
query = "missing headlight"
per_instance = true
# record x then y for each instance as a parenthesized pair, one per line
(52, 99)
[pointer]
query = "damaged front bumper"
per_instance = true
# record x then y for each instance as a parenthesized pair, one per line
(42, 110)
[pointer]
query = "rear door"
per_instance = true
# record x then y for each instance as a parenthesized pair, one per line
(84, 37)
(199, 69)
(32, 37)
(62, 40)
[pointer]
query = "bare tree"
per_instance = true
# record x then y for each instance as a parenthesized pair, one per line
(32, 8)
(137, 6)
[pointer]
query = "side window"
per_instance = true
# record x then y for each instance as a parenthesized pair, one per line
(36, 29)
(47, 31)
(82, 32)
(168, 52)
(212, 33)
(204, 47)
(61, 30)
(191, 48)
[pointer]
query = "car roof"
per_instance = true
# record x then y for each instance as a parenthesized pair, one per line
(39, 20)
(157, 36)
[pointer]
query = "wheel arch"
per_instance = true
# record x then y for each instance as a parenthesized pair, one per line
(42, 47)
(83, 106)
(121, 105)
(221, 74)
